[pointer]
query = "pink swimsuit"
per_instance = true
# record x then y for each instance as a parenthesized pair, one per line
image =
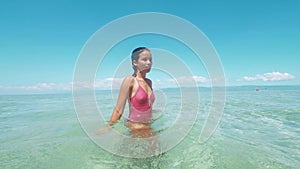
(141, 106)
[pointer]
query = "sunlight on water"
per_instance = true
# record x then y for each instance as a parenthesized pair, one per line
(258, 130)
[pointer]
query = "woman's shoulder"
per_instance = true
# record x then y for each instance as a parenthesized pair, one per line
(149, 82)
(129, 79)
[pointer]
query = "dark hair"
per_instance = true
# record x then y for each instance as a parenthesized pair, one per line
(135, 56)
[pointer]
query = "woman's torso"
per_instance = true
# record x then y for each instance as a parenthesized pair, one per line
(140, 103)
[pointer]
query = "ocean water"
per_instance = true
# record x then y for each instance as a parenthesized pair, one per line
(259, 129)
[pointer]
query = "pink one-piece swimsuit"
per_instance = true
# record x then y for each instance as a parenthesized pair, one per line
(141, 106)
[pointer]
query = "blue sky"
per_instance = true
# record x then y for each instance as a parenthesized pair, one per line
(257, 41)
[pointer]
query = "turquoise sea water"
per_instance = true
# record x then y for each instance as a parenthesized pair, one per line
(257, 130)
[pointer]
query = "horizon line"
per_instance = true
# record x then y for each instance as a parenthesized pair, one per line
(164, 88)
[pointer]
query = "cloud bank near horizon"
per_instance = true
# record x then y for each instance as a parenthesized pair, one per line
(272, 76)
(115, 83)
(102, 84)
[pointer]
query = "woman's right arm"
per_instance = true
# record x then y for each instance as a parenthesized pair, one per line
(125, 89)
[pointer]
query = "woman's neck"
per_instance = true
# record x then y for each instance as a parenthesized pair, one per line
(140, 75)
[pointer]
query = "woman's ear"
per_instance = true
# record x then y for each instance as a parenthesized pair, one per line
(134, 63)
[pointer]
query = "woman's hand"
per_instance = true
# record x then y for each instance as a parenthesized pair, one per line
(103, 130)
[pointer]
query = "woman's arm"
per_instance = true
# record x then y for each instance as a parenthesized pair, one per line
(123, 96)
(119, 108)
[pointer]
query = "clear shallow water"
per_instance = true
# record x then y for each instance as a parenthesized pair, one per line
(258, 130)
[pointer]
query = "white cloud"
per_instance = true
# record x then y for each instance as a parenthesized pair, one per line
(40, 87)
(187, 81)
(108, 83)
(200, 79)
(101, 84)
(184, 79)
(273, 76)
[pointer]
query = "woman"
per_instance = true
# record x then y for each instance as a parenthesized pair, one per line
(137, 89)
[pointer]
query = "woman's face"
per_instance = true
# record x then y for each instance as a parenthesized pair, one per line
(144, 62)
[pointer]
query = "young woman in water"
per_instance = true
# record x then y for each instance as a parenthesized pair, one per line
(137, 90)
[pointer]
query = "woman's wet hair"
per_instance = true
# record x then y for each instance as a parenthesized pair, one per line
(135, 56)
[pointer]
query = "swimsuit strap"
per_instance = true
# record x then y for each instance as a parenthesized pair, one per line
(140, 86)
(137, 81)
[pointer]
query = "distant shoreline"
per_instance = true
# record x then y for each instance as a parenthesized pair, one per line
(201, 88)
